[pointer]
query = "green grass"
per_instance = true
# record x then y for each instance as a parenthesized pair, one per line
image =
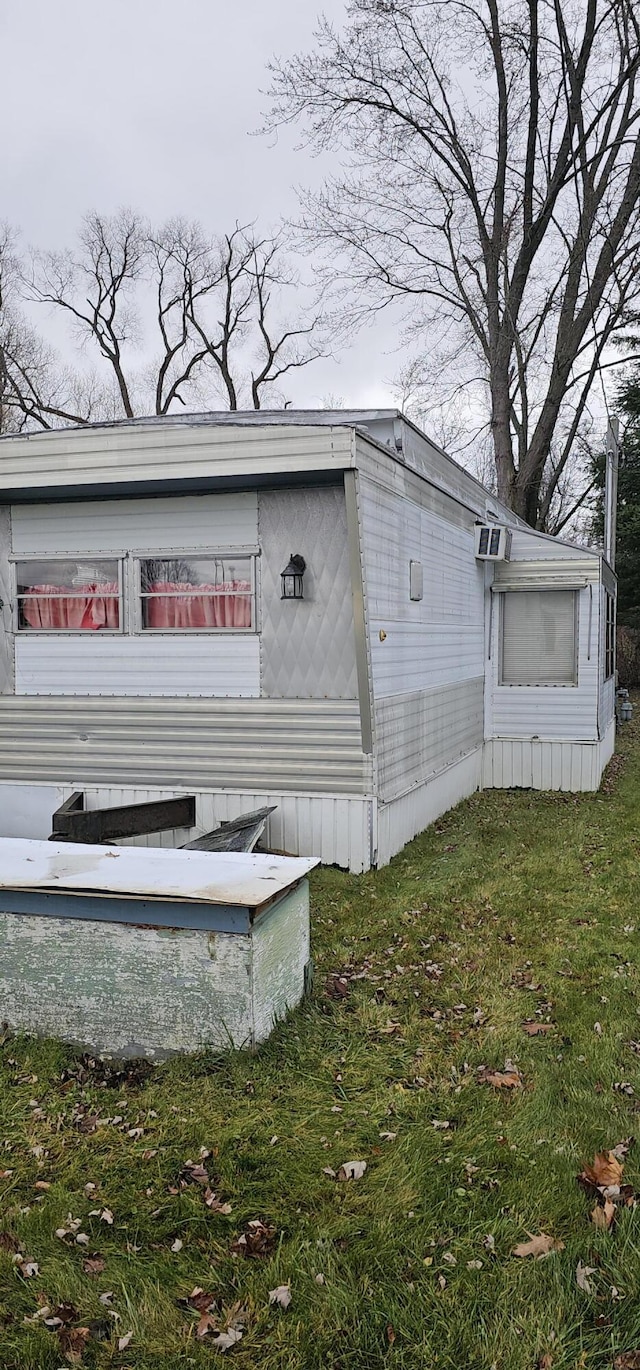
(510, 888)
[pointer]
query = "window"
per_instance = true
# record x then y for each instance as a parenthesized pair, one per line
(539, 639)
(609, 635)
(197, 593)
(56, 595)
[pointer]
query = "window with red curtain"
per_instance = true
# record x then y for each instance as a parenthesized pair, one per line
(199, 593)
(59, 595)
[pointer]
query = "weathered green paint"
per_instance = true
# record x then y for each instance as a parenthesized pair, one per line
(129, 991)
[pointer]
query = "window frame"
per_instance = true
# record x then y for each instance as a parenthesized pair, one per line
(119, 557)
(541, 684)
(609, 654)
(137, 556)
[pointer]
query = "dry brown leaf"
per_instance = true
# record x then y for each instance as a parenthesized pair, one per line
(546, 1361)
(500, 1079)
(42, 1184)
(606, 1169)
(627, 1360)
(123, 1342)
(72, 1343)
(539, 1246)
(535, 1029)
(603, 1214)
(94, 1265)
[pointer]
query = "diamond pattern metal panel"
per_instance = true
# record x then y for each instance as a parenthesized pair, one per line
(307, 646)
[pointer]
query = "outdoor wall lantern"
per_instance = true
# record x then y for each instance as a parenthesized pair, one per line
(291, 577)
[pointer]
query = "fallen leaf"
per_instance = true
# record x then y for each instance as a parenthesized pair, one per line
(627, 1360)
(123, 1342)
(388, 1136)
(500, 1079)
(474, 1265)
(107, 1216)
(603, 1214)
(606, 1169)
(489, 1242)
(351, 1170)
(177, 1245)
(319, 1279)
(93, 1265)
(440, 1125)
(281, 1295)
(82, 1239)
(621, 1150)
(391, 1336)
(546, 1361)
(42, 1184)
(535, 1029)
(213, 1202)
(449, 1258)
(258, 1239)
(28, 1269)
(582, 1277)
(225, 1340)
(539, 1246)
(72, 1343)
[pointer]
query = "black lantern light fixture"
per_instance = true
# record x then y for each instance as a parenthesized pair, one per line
(291, 577)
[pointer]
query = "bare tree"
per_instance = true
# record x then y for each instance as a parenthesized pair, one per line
(493, 186)
(208, 315)
(35, 390)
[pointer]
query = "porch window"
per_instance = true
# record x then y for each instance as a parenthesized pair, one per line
(197, 593)
(610, 635)
(539, 637)
(68, 595)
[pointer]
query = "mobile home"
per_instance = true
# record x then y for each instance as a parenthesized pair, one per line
(317, 611)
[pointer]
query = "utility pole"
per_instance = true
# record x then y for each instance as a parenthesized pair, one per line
(611, 490)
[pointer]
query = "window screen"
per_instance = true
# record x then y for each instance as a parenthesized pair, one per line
(539, 637)
(610, 636)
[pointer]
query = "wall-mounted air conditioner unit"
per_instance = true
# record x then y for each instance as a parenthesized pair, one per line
(493, 542)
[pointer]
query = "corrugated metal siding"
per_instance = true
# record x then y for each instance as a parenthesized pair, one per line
(539, 571)
(336, 830)
(184, 521)
(436, 640)
(163, 451)
(518, 764)
(548, 712)
(247, 744)
(531, 546)
(7, 674)
(225, 665)
(307, 648)
(421, 733)
(405, 817)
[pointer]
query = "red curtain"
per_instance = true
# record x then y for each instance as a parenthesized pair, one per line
(88, 606)
(181, 605)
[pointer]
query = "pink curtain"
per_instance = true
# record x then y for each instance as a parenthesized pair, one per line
(88, 606)
(181, 605)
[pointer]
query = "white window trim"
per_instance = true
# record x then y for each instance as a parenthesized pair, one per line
(540, 684)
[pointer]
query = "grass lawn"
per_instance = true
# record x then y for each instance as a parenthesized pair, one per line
(515, 907)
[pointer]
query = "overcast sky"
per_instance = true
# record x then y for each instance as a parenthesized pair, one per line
(152, 104)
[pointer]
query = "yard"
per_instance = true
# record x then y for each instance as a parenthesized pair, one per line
(123, 1192)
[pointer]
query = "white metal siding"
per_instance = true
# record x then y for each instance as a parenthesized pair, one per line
(184, 521)
(214, 665)
(433, 641)
(518, 764)
(540, 547)
(408, 815)
(187, 664)
(254, 745)
(548, 712)
(421, 733)
(162, 450)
